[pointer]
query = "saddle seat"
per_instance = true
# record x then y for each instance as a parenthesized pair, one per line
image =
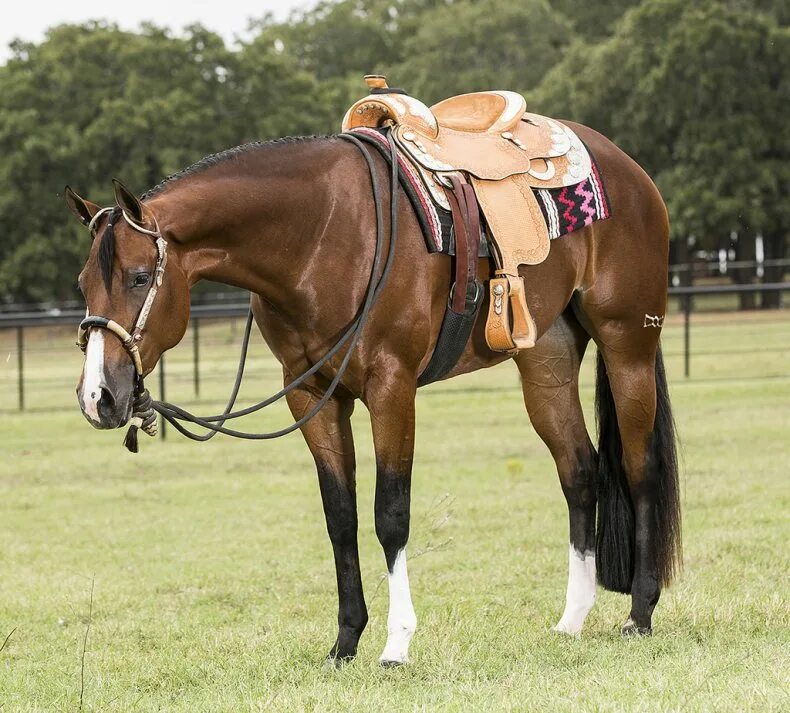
(488, 112)
(489, 139)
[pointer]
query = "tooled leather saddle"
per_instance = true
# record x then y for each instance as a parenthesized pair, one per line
(488, 140)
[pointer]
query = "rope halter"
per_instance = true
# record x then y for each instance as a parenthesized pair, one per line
(143, 415)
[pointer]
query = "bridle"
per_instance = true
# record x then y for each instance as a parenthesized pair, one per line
(143, 414)
(144, 409)
(129, 340)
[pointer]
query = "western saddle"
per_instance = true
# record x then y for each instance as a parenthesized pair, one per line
(487, 139)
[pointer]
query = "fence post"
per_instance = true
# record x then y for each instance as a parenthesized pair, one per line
(162, 422)
(687, 335)
(20, 364)
(196, 355)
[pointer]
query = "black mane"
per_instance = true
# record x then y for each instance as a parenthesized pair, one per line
(216, 159)
(107, 248)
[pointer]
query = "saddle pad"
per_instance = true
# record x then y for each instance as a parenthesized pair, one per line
(573, 207)
(564, 209)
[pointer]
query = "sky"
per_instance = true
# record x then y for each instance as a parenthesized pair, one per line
(28, 19)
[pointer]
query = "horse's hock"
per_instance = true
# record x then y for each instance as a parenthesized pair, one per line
(507, 154)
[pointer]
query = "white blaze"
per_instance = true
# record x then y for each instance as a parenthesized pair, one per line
(402, 621)
(581, 591)
(93, 374)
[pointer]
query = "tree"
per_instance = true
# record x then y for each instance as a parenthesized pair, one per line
(89, 103)
(308, 70)
(593, 20)
(488, 44)
(695, 92)
(277, 97)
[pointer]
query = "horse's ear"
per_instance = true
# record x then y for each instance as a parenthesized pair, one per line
(83, 209)
(129, 202)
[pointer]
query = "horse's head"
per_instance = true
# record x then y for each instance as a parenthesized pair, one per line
(148, 308)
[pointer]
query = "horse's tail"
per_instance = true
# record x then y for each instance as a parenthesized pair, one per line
(615, 537)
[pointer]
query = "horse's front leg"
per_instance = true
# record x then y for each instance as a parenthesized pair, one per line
(330, 440)
(391, 404)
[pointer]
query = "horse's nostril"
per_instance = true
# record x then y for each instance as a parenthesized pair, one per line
(106, 401)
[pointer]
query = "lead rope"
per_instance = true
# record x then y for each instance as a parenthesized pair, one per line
(144, 408)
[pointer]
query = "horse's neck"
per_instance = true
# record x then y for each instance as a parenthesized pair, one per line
(247, 228)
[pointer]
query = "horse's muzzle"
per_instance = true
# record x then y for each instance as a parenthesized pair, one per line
(110, 413)
(107, 404)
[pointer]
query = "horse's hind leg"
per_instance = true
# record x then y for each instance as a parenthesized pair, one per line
(390, 400)
(550, 382)
(328, 435)
(621, 306)
(639, 510)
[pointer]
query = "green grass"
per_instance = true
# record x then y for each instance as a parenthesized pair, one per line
(214, 586)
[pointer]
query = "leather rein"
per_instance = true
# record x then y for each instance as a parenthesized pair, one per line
(144, 408)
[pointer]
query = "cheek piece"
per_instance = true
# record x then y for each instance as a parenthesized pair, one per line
(143, 414)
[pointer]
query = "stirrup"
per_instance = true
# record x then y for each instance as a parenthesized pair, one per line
(506, 297)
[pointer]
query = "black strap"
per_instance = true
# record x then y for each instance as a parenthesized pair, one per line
(458, 323)
(94, 321)
(453, 336)
(388, 90)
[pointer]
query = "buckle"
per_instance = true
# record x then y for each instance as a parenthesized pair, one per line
(471, 301)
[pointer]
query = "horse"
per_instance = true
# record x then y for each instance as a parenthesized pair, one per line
(291, 221)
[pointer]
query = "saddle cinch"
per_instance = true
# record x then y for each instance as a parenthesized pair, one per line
(489, 139)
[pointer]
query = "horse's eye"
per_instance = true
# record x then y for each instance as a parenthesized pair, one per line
(140, 280)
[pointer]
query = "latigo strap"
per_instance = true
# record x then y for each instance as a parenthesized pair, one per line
(466, 293)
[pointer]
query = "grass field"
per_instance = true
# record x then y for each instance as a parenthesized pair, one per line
(213, 586)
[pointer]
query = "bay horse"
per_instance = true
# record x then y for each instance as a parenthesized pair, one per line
(291, 221)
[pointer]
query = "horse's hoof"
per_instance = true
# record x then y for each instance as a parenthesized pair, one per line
(630, 630)
(386, 663)
(561, 632)
(334, 663)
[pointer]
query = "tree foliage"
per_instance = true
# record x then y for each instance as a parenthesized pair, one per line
(465, 47)
(695, 90)
(89, 103)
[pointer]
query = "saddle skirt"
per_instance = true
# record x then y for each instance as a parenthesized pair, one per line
(505, 152)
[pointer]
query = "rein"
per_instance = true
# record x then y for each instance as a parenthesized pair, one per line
(144, 409)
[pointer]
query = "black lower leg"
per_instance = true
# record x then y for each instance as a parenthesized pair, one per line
(393, 493)
(645, 587)
(578, 486)
(339, 501)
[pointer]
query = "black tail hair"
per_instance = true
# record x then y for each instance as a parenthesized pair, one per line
(616, 531)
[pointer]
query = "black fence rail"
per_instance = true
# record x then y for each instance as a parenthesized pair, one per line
(687, 295)
(201, 313)
(20, 321)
